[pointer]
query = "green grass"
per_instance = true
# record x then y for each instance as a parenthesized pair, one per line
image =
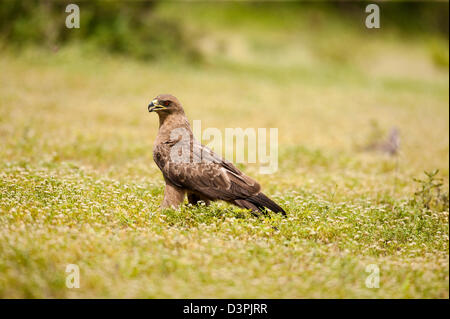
(78, 184)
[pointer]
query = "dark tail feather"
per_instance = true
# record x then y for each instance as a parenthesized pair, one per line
(245, 204)
(262, 201)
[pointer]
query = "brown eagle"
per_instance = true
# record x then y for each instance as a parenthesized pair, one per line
(188, 167)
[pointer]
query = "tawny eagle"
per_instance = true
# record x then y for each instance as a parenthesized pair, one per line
(188, 167)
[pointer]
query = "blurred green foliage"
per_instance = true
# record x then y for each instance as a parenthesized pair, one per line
(140, 30)
(119, 27)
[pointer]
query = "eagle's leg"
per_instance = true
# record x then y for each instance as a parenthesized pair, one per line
(194, 199)
(173, 196)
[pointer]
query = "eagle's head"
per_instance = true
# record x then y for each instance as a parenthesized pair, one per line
(165, 104)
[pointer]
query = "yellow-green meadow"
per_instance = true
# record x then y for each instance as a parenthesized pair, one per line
(78, 184)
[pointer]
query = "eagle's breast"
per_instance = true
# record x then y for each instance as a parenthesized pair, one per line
(161, 155)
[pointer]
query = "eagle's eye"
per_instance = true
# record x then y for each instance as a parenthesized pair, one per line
(165, 103)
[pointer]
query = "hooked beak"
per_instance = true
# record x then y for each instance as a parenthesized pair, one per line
(154, 106)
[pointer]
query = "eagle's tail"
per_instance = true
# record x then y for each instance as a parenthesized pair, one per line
(261, 201)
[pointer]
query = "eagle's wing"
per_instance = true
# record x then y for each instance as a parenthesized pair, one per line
(208, 174)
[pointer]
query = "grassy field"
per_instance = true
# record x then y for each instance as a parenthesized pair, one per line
(78, 184)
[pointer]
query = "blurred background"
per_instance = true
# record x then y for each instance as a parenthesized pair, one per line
(360, 113)
(312, 69)
(152, 30)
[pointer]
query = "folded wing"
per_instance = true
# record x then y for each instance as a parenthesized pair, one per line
(208, 174)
